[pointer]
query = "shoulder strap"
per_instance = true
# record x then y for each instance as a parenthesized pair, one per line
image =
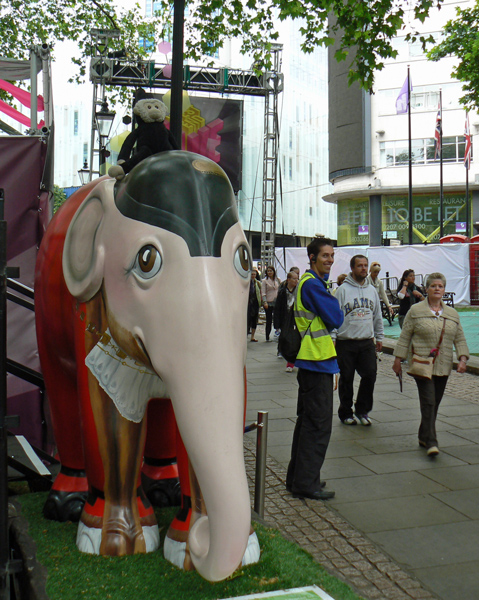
(442, 333)
(440, 339)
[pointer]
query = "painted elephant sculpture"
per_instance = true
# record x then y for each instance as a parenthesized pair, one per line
(141, 291)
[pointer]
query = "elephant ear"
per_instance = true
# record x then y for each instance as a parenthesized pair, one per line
(83, 254)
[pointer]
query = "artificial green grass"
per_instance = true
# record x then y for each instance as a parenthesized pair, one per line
(73, 575)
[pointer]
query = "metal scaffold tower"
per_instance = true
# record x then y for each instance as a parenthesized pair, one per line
(270, 159)
(112, 71)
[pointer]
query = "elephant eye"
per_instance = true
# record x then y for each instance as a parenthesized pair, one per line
(148, 262)
(242, 261)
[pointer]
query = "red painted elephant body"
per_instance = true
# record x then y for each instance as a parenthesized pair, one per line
(104, 288)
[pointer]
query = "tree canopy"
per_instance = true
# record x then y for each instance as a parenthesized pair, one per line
(461, 39)
(363, 29)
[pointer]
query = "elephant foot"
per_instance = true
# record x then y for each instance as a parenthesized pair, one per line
(159, 480)
(252, 552)
(89, 539)
(67, 497)
(162, 493)
(176, 552)
(120, 533)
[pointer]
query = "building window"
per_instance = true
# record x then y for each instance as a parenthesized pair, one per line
(415, 48)
(291, 137)
(75, 123)
(310, 173)
(310, 211)
(85, 153)
(147, 45)
(423, 98)
(291, 168)
(396, 153)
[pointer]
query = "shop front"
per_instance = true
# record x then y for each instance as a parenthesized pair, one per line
(354, 218)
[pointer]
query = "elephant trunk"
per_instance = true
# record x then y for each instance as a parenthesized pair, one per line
(212, 432)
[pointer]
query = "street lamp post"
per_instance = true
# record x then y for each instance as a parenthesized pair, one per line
(104, 121)
(84, 173)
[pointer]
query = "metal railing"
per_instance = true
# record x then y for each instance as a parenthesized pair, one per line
(261, 426)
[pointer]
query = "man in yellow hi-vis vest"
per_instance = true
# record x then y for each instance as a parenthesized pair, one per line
(317, 312)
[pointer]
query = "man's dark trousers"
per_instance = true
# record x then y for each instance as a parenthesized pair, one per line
(360, 356)
(312, 431)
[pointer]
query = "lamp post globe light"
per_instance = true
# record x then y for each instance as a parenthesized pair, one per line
(84, 174)
(104, 121)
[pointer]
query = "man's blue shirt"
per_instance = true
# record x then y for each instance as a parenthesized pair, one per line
(316, 298)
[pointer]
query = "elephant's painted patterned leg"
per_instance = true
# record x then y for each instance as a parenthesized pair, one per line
(176, 548)
(159, 474)
(120, 445)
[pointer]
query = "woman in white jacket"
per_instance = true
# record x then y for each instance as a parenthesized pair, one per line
(422, 330)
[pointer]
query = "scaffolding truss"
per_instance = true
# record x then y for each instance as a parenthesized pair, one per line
(106, 71)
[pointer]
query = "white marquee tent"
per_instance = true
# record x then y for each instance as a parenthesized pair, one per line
(452, 260)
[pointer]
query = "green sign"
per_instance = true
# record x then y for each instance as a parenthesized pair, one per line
(426, 216)
(353, 218)
(312, 592)
(353, 215)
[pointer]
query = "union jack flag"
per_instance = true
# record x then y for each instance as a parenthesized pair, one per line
(467, 144)
(437, 133)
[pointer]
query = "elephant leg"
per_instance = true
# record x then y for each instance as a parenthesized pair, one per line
(127, 521)
(69, 491)
(192, 507)
(159, 474)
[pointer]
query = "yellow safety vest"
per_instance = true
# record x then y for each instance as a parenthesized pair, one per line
(316, 341)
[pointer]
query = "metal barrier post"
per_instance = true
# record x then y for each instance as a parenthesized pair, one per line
(8, 566)
(4, 537)
(261, 447)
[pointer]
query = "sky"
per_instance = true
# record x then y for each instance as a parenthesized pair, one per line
(62, 68)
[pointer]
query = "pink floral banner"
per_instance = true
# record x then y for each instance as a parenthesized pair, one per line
(17, 115)
(21, 95)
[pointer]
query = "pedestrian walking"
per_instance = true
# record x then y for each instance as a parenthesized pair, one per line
(339, 282)
(254, 302)
(317, 312)
(269, 291)
(430, 329)
(408, 293)
(357, 341)
(284, 303)
(374, 280)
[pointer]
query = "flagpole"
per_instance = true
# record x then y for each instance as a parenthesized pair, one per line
(410, 157)
(467, 202)
(441, 191)
(467, 158)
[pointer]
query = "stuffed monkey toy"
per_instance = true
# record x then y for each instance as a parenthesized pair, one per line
(151, 136)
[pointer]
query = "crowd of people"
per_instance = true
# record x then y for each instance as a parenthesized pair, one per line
(341, 333)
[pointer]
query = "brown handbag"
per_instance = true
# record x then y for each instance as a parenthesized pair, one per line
(422, 366)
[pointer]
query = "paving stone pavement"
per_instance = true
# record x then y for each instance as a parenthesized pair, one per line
(402, 525)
